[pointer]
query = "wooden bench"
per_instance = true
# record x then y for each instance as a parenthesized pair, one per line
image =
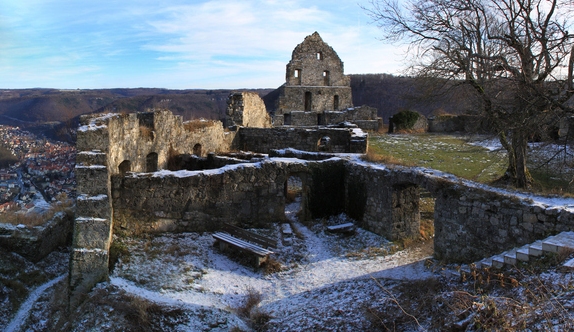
(250, 236)
(225, 241)
(342, 228)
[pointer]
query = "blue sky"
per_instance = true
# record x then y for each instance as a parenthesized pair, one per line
(178, 44)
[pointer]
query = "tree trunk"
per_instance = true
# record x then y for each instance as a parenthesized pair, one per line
(522, 177)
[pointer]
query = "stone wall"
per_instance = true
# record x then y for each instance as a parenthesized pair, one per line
(341, 140)
(314, 81)
(473, 224)
(35, 243)
(248, 195)
(246, 109)
(292, 98)
(382, 201)
(132, 137)
(457, 123)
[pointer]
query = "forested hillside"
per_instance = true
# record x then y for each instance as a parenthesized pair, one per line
(54, 112)
(390, 94)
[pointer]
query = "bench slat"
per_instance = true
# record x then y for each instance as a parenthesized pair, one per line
(250, 236)
(242, 244)
(341, 226)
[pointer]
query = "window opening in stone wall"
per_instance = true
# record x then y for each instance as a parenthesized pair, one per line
(319, 56)
(320, 119)
(426, 210)
(293, 197)
(326, 78)
(287, 119)
(335, 102)
(124, 167)
(308, 101)
(197, 150)
(151, 162)
(297, 75)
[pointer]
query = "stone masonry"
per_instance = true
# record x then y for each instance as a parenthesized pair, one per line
(316, 90)
(114, 148)
(246, 109)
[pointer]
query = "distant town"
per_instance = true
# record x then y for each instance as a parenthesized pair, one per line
(43, 174)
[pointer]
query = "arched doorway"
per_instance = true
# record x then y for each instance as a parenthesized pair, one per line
(197, 150)
(293, 197)
(308, 101)
(151, 162)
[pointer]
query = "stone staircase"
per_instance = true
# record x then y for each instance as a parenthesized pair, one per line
(552, 244)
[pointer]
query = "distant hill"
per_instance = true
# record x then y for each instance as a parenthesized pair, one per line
(54, 112)
(390, 94)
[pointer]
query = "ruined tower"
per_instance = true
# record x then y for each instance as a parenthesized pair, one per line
(314, 84)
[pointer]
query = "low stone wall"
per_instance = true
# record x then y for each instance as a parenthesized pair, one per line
(457, 123)
(341, 140)
(247, 194)
(35, 243)
(471, 224)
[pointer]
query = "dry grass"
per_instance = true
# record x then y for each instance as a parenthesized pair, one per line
(249, 309)
(32, 219)
(252, 300)
(374, 157)
(194, 125)
(484, 300)
(131, 313)
(272, 266)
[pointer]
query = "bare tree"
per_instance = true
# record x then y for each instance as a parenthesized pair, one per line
(516, 55)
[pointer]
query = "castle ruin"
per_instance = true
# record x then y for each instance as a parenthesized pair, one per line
(317, 92)
(135, 176)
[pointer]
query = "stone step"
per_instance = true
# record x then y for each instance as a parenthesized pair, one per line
(569, 263)
(523, 253)
(286, 229)
(556, 243)
(498, 261)
(465, 268)
(510, 257)
(485, 263)
(535, 249)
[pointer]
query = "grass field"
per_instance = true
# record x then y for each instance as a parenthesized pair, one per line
(455, 154)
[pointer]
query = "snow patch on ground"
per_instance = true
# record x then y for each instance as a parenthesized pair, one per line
(187, 270)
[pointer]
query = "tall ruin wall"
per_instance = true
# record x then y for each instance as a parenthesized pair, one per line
(319, 99)
(247, 109)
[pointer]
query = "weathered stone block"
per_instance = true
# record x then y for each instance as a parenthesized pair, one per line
(92, 233)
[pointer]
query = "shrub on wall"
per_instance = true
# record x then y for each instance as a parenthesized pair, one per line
(405, 119)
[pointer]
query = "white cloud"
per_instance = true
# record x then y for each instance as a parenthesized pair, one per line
(180, 43)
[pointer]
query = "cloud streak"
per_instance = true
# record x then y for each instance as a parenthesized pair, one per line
(176, 44)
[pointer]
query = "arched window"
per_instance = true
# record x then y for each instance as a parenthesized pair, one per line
(151, 162)
(124, 167)
(197, 150)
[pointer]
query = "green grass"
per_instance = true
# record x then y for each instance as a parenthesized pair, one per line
(446, 153)
(454, 154)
